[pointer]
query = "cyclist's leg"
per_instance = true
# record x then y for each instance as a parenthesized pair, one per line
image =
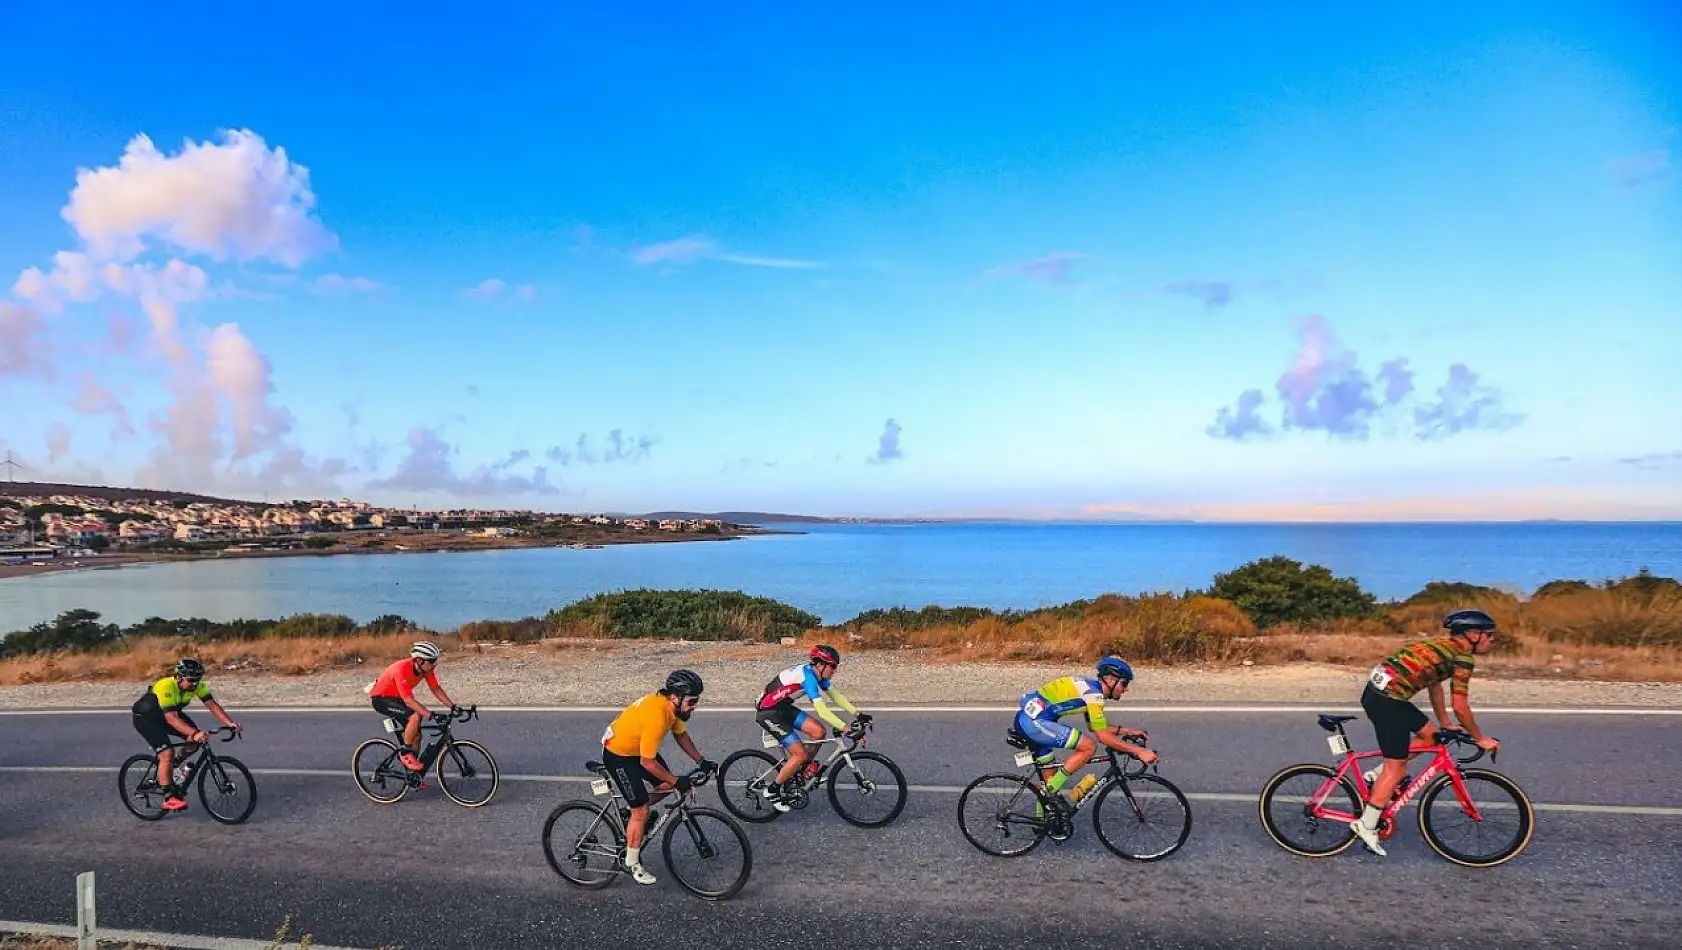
(1045, 734)
(399, 710)
(1394, 722)
(633, 781)
(799, 753)
(156, 732)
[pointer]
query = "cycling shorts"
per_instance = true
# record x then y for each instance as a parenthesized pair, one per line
(157, 732)
(1394, 720)
(633, 780)
(1046, 734)
(784, 722)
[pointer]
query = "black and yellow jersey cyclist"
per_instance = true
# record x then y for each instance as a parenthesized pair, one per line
(160, 711)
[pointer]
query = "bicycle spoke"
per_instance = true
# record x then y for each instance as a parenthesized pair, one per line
(1001, 815)
(1489, 827)
(707, 854)
(582, 845)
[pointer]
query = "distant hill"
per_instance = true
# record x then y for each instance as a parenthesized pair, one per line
(741, 517)
(110, 493)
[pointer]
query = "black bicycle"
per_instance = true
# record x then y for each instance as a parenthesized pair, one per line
(584, 840)
(866, 788)
(222, 780)
(1019, 812)
(466, 771)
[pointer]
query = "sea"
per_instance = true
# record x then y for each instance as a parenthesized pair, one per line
(837, 570)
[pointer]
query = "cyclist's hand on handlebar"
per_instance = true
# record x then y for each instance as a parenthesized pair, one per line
(1488, 743)
(199, 735)
(1147, 756)
(684, 784)
(707, 765)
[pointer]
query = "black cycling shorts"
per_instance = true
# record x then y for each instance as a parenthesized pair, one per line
(1394, 720)
(157, 732)
(394, 708)
(633, 780)
(782, 721)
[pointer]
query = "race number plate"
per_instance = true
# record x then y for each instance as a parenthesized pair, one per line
(1381, 677)
(1024, 758)
(599, 787)
(392, 725)
(767, 740)
(1340, 745)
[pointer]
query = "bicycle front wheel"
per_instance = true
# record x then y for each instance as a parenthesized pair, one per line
(582, 844)
(1307, 811)
(467, 773)
(870, 793)
(1149, 820)
(740, 779)
(708, 853)
(378, 772)
(1003, 815)
(1500, 829)
(228, 791)
(137, 783)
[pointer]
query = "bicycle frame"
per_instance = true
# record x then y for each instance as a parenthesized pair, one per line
(430, 753)
(606, 788)
(195, 760)
(1114, 772)
(844, 746)
(1350, 770)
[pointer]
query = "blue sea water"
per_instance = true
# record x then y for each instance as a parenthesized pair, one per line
(835, 571)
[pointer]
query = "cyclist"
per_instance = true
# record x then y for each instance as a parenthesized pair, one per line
(631, 752)
(777, 714)
(161, 711)
(1388, 701)
(1038, 721)
(393, 695)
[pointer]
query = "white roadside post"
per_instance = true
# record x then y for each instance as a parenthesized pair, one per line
(85, 936)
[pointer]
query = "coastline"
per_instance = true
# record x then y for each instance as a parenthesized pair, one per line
(384, 542)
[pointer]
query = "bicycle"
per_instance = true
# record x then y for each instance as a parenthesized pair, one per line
(383, 777)
(753, 807)
(602, 836)
(137, 780)
(1320, 813)
(1022, 801)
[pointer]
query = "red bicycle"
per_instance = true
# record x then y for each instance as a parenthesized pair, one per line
(1474, 817)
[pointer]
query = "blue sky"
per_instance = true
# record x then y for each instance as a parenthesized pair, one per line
(874, 260)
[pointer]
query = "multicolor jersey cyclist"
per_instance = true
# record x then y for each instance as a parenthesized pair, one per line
(1387, 700)
(631, 753)
(1038, 720)
(160, 711)
(777, 714)
(393, 695)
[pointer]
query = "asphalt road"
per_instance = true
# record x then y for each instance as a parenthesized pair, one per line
(426, 873)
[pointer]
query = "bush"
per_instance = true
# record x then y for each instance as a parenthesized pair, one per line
(72, 630)
(1443, 593)
(1278, 590)
(1561, 588)
(930, 616)
(313, 625)
(690, 614)
(524, 630)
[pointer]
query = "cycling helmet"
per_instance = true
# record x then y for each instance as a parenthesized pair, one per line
(824, 653)
(684, 683)
(1115, 666)
(425, 650)
(188, 668)
(1462, 622)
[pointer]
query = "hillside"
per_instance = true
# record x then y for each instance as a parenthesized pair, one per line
(742, 517)
(113, 494)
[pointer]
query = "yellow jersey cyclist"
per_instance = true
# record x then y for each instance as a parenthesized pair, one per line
(776, 714)
(1388, 702)
(1038, 720)
(631, 753)
(160, 712)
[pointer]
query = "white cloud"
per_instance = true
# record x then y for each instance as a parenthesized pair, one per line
(494, 288)
(241, 374)
(698, 247)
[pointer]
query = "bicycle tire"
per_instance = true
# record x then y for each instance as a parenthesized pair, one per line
(1126, 785)
(691, 821)
(444, 781)
(148, 769)
(1346, 835)
(357, 771)
(1036, 823)
(226, 761)
(835, 798)
(1526, 812)
(751, 808)
(603, 820)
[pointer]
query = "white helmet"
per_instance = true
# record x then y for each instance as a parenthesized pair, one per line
(424, 650)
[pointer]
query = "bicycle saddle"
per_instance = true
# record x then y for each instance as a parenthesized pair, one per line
(1015, 739)
(1330, 723)
(596, 767)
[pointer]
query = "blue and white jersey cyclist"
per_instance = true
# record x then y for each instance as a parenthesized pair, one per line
(1039, 720)
(777, 714)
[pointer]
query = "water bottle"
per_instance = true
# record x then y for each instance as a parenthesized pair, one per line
(180, 773)
(811, 770)
(1082, 787)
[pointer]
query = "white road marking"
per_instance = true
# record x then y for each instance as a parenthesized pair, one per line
(148, 938)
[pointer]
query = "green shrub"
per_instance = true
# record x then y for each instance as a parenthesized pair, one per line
(690, 614)
(1278, 590)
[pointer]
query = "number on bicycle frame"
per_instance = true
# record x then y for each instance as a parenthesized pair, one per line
(1339, 744)
(767, 740)
(599, 787)
(1025, 757)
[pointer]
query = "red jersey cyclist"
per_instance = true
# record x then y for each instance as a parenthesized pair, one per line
(393, 695)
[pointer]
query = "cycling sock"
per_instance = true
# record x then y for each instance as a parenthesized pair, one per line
(1370, 815)
(633, 856)
(1057, 781)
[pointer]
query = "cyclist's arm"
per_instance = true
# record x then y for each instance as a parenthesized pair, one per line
(843, 702)
(1112, 738)
(688, 746)
(437, 690)
(406, 693)
(179, 724)
(1463, 703)
(814, 692)
(650, 749)
(217, 711)
(1438, 707)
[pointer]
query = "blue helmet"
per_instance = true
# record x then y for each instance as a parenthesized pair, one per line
(1115, 666)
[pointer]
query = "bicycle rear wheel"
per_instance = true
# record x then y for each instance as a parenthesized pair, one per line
(378, 772)
(1003, 815)
(708, 853)
(872, 794)
(1148, 821)
(221, 783)
(1306, 812)
(137, 783)
(1504, 824)
(582, 844)
(467, 773)
(740, 778)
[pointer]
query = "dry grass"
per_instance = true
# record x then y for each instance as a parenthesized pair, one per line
(147, 658)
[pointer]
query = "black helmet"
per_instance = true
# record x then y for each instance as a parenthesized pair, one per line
(189, 669)
(683, 683)
(1462, 622)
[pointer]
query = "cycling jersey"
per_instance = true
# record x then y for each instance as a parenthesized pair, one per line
(802, 680)
(1065, 696)
(167, 696)
(640, 727)
(399, 680)
(1422, 665)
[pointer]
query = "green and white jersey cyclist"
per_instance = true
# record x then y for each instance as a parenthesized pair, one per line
(1039, 720)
